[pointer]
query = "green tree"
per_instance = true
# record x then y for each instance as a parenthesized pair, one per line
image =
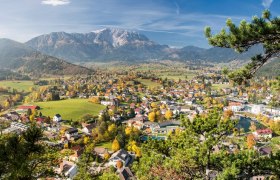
(261, 30)
(22, 157)
(189, 154)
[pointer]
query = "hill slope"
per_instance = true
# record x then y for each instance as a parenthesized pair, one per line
(19, 57)
(272, 68)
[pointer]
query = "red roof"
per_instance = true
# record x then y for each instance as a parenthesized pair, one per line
(28, 107)
(264, 131)
(40, 119)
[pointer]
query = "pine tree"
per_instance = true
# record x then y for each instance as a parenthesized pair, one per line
(261, 30)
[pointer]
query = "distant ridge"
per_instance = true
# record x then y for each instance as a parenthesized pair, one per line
(116, 44)
(21, 58)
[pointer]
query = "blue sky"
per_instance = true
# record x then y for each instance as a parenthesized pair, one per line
(176, 23)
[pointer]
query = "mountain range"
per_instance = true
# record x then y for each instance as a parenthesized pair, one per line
(54, 53)
(19, 57)
(116, 44)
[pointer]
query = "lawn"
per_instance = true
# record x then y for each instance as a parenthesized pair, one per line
(70, 109)
(275, 144)
(149, 83)
(18, 85)
(220, 86)
(107, 145)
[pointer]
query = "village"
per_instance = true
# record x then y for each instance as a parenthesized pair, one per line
(134, 112)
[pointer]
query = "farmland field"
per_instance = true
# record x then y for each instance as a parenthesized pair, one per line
(149, 83)
(70, 109)
(175, 75)
(18, 85)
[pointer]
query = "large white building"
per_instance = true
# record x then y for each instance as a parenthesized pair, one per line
(257, 108)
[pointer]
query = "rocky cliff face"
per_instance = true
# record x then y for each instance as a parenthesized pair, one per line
(105, 44)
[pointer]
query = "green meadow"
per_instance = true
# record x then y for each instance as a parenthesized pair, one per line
(149, 83)
(18, 85)
(220, 86)
(69, 109)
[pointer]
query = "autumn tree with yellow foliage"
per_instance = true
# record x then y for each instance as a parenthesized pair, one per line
(168, 115)
(251, 141)
(152, 116)
(116, 145)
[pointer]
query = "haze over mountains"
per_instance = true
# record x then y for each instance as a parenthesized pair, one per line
(116, 44)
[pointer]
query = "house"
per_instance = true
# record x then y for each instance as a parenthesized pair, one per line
(236, 105)
(116, 118)
(100, 151)
(20, 126)
(265, 151)
(189, 101)
(16, 127)
(40, 120)
(68, 169)
(78, 151)
(263, 133)
(57, 118)
(135, 123)
(257, 109)
(13, 116)
(87, 128)
(126, 174)
(107, 103)
(276, 118)
(258, 178)
(24, 108)
(71, 132)
(165, 127)
(132, 105)
(121, 155)
(185, 109)
(137, 111)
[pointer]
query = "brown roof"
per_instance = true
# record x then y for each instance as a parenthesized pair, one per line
(78, 150)
(100, 150)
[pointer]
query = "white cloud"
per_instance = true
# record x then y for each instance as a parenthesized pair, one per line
(55, 2)
(177, 8)
(267, 3)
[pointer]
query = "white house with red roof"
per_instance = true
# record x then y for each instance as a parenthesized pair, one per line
(263, 133)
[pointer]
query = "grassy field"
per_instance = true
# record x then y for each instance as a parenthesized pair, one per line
(275, 144)
(70, 109)
(149, 83)
(3, 96)
(107, 145)
(56, 77)
(220, 86)
(177, 75)
(18, 85)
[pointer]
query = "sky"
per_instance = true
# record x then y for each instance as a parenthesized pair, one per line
(176, 23)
